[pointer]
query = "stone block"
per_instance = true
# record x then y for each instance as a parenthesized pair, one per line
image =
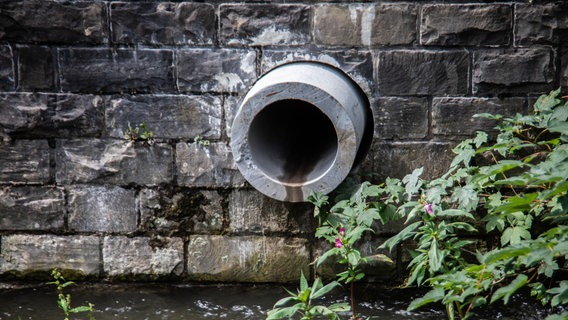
(533, 71)
(447, 112)
(466, 24)
(7, 77)
(422, 72)
(215, 70)
(25, 161)
(253, 212)
(36, 68)
(96, 70)
(163, 23)
(142, 257)
(401, 118)
(25, 256)
(53, 22)
(181, 211)
(113, 161)
(397, 159)
(365, 24)
(32, 208)
(264, 24)
(357, 64)
(247, 259)
(102, 209)
(210, 165)
(51, 115)
(231, 105)
(541, 23)
(167, 116)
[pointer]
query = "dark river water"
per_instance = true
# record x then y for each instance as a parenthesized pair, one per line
(160, 301)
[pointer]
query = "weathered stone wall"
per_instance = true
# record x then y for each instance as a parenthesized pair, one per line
(75, 194)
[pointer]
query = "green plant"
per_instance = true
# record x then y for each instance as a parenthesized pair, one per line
(64, 300)
(343, 226)
(201, 141)
(302, 303)
(518, 184)
(139, 133)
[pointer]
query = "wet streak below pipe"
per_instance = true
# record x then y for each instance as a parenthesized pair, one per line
(302, 127)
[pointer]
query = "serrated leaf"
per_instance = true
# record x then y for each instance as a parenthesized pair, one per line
(506, 291)
(431, 296)
(404, 234)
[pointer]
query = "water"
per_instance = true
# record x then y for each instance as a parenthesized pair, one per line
(177, 302)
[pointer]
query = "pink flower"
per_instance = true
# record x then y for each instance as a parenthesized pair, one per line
(428, 208)
(338, 243)
(342, 231)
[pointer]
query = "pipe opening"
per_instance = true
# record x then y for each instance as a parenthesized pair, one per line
(292, 141)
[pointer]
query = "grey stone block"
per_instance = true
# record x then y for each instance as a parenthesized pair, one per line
(7, 69)
(253, 212)
(51, 115)
(147, 258)
(215, 70)
(421, 72)
(365, 24)
(181, 211)
(206, 165)
(397, 159)
(53, 21)
(247, 259)
(95, 70)
(113, 161)
(533, 70)
(167, 116)
(264, 24)
(32, 208)
(230, 107)
(24, 255)
(36, 68)
(541, 23)
(102, 209)
(401, 118)
(163, 23)
(448, 112)
(466, 24)
(25, 161)
(357, 64)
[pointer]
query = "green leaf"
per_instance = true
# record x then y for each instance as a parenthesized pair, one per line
(431, 296)
(406, 233)
(303, 282)
(80, 309)
(507, 291)
(504, 254)
(561, 316)
(324, 290)
(281, 313)
(513, 235)
(435, 256)
(412, 182)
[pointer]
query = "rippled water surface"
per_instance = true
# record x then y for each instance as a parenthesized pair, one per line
(158, 301)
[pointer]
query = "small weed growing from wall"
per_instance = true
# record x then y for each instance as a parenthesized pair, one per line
(139, 133)
(64, 300)
(201, 141)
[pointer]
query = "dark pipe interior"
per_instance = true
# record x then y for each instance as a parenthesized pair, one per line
(292, 141)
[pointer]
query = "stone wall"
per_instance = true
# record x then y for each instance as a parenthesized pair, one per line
(75, 194)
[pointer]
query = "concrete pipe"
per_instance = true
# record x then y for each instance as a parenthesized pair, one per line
(302, 127)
